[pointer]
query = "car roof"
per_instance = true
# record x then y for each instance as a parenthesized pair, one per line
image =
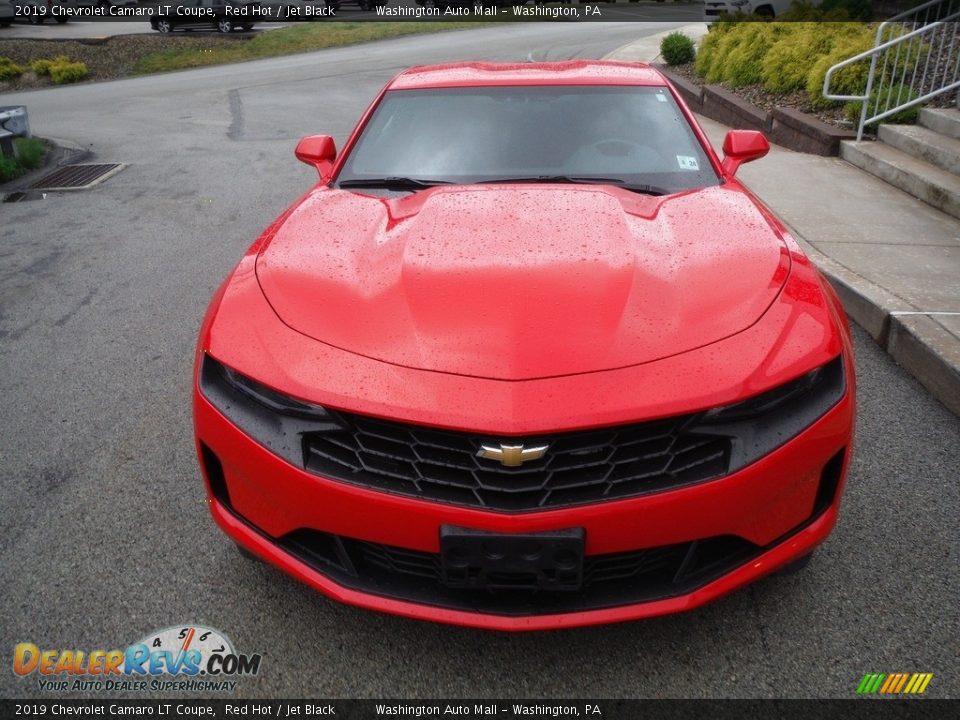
(571, 72)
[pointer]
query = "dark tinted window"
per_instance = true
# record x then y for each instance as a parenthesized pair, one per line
(635, 134)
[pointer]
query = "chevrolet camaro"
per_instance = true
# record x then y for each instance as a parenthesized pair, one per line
(527, 356)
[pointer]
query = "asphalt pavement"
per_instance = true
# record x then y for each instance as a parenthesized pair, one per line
(106, 532)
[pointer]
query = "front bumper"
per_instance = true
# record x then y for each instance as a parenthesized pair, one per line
(781, 507)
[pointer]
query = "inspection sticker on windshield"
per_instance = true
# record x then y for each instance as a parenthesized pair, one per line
(687, 163)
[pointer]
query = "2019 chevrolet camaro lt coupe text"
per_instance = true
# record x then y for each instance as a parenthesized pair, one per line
(527, 356)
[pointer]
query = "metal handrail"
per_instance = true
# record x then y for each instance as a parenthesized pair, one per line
(941, 24)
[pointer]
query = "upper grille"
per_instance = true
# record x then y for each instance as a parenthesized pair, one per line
(579, 467)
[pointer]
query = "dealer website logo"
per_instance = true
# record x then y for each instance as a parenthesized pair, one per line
(186, 658)
(894, 683)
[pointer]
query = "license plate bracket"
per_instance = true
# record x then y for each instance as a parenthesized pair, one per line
(475, 559)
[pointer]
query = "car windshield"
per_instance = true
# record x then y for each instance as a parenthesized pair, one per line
(626, 135)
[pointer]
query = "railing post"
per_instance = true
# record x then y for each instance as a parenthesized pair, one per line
(866, 99)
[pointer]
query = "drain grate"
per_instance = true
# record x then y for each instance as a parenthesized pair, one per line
(77, 177)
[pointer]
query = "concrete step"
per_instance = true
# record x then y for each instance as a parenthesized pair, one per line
(924, 144)
(945, 121)
(929, 183)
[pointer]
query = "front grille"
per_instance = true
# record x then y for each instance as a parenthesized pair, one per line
(608, 580)
(578, 467)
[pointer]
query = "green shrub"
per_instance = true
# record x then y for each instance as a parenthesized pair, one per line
(851, 39)
(892, 94)
(785, 67)
(727, 43)
(49, 67)
(30, 152)
(701, 66)
(41, 66)
(9, 168)
(9, 69)
(851, 80)
(708, 46)
(788, 56)
(743, 63)
(677, 49)
(68, 72)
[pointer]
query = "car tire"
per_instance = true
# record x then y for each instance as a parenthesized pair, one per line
(366, 5)
(5, 23)
(796, 566)
(164, 26)
(61, 20)
(225, 26)
(36, 20)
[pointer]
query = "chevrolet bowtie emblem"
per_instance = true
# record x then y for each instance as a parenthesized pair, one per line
(512, 455)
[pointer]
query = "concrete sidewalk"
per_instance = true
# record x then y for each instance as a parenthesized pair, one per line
(894, 260)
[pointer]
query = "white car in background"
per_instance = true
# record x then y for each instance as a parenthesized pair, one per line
(713, 9)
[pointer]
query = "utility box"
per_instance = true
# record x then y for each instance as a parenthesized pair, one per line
(14, 123)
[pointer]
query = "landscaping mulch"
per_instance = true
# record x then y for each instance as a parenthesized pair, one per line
(767, 101)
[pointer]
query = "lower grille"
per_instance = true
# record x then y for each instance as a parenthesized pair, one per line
(578, 467)
(608, 580)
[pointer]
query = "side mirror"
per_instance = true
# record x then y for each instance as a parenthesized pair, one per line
(319, 151)
(740, 146)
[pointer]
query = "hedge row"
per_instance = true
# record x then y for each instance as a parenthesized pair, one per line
(785, 57)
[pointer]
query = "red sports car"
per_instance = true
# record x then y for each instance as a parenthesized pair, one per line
(527, 356)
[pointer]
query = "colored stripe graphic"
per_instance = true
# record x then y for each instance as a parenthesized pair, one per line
(901, 683)
(890, 684)
(894, 683)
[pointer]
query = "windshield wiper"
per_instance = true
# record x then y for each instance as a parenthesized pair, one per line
(574, 180)
(392, 183)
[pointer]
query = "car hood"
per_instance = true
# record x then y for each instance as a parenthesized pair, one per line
(520, 282)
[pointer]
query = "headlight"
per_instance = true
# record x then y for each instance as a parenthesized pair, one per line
(760, 424)
(274, 420)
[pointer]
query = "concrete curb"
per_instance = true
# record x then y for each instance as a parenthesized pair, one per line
(927, 351)
(917, 343)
